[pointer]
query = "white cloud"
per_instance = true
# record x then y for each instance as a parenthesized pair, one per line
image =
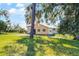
(12, 11)
(20, 5)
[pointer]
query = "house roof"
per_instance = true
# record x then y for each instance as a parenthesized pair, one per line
(49, 26)
(43, 24)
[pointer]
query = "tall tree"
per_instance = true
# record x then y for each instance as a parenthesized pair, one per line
(4, 13)
(70, 25)
(47, 9)
(30, 17)
(31, 14)
(3, 26)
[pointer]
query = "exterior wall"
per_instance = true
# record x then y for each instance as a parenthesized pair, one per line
(28, 29)
(52, 31)
(41, 28)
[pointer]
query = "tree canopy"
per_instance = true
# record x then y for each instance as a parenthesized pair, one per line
(70, 24)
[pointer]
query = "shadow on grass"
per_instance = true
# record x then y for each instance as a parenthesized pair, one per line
(38, 44)
(58, 47)
(30, 44)
(66, 47)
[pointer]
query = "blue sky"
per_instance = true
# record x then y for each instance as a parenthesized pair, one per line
(16, 12)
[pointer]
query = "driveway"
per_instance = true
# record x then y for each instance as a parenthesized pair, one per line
(22, 34)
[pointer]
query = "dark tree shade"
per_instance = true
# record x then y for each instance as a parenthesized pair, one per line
(3, 26)
(70, 25)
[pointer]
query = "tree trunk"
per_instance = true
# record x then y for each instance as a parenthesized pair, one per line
(31, 51)
(33, 20)
(74, 37)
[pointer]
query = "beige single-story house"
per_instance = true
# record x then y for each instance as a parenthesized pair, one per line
(42, 29)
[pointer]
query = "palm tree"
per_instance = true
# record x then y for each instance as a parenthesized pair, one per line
(30, 17)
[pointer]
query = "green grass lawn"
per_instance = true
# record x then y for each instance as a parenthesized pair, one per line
(12, 44)
(8, 42)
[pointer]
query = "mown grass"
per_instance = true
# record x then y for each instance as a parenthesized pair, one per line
(8, 44)
(43, 46)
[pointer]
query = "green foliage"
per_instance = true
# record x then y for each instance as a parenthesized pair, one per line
(4, 12)
(3, 26)
(17, 28)
(70, 25)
